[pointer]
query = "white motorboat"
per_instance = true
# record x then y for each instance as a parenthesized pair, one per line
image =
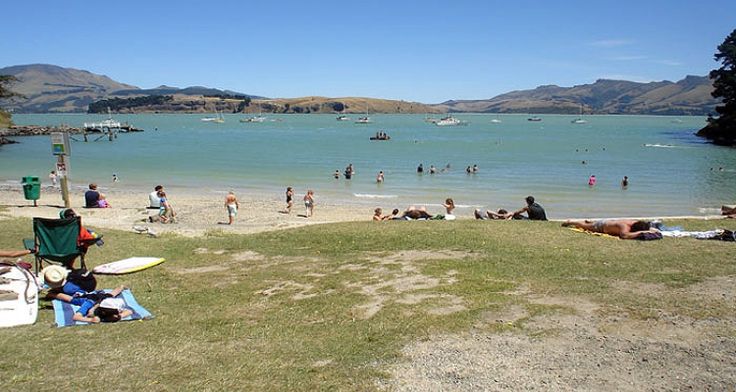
(343, 118)
(449, 121)
(363, 120)
(254, 119)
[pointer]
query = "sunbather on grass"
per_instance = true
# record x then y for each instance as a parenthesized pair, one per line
(627, 229)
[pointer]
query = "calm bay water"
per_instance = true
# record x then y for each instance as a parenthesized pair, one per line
(669, 168)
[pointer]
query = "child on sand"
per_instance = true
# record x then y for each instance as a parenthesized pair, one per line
(449, 207)
(102, 202)
(165, 212)
(377, 214)
(289, 197)
(232, 205)
(309, 203)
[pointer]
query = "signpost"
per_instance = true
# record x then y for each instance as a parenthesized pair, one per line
(62, 149)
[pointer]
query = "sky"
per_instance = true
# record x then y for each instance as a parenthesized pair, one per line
(426, 51)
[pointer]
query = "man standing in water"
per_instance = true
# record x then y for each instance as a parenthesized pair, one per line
(625, 182)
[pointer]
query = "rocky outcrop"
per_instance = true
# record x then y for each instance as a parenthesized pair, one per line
(4, 140)
(36, 130)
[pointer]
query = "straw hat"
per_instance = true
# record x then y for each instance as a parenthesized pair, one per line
(54, 276)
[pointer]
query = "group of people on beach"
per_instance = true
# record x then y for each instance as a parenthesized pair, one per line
(159, 201)
(95, 199)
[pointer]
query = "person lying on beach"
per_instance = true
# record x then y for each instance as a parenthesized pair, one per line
(15, 253)
(730, 212)
(393, 216)
(416, 213)
(533, 210)
(78, 288)
(501, 214)
(627, 229)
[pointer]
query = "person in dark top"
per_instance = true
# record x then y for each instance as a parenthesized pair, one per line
(533, 210)
(91, 197)
(420, 169)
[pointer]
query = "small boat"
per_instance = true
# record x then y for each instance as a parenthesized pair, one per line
(381, 135)
(254, 119)
(534, 118)
(219, 119)
(496, 120)
(449, 121)
(343, 118)
(579, 120)
(676, 121)
(363, 120)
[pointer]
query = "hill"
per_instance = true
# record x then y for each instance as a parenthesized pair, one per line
(52, 89)
(240, 104)
(689, 96)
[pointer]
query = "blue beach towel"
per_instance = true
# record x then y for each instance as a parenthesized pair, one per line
(64, 311)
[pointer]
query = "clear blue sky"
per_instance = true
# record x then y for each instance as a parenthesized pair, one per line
(428, 51)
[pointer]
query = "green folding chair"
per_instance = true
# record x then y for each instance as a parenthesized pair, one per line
(56, 242)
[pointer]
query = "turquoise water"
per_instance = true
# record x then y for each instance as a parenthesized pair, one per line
(669, 168)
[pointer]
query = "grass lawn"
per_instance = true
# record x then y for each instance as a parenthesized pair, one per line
(332, 306)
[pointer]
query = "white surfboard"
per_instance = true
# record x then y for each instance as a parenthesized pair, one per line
(127, 266)
(24, 308)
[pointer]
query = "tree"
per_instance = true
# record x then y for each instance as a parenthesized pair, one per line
(6, 93)
(722, 129)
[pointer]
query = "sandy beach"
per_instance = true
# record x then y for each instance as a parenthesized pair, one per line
(197, 214)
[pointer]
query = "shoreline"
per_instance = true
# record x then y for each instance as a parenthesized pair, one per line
(200, 213)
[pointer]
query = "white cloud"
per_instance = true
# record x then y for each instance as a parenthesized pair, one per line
(627, 58)
(668, 62)
(610, 43)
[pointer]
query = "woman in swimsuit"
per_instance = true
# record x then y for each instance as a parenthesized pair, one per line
(289, 202)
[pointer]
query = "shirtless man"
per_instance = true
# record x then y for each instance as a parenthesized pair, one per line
(730, 212)
(232, 205)
(626, 229)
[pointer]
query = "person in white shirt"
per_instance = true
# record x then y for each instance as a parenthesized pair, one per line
(154, 199)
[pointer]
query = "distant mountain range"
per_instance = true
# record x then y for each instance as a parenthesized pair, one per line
(689, 96)
(54, 89)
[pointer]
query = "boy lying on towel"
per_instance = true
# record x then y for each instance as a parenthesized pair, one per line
(626, 229)
(94, 306)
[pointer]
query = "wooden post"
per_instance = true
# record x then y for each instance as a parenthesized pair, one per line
(64, 182)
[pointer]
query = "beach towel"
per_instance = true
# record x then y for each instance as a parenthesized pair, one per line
(593, 233)
(64, 311)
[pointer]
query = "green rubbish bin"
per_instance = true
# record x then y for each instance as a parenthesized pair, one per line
(31, 188)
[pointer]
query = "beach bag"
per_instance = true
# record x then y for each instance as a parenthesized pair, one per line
(84, 279)
(649, 236)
